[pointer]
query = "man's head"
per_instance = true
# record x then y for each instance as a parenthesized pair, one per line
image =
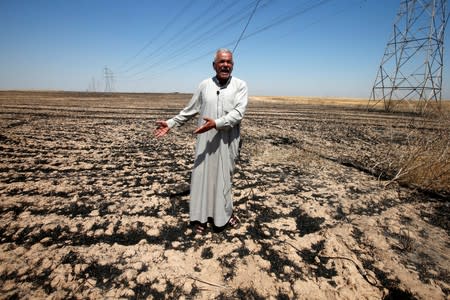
(223, 64)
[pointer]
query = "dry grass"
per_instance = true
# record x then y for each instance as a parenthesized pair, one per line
(334, 101)
(425, 162)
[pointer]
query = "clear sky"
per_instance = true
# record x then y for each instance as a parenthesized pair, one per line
(290, 47)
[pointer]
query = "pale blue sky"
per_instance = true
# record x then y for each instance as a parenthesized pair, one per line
(311, 48)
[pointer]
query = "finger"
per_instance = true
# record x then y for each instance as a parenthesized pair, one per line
(161, 132)
(200, 129)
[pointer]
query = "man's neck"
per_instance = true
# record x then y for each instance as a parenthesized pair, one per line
(223, 82)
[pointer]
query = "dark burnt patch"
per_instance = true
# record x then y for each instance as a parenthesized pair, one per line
(381, 276)
(241, 293)
(16, 209)
(340, 214)
(396, 293)
(75, 209)
(305, 223)
(228, 261)
(144, 291)
(41, 280)
(282, 140)
(104, 275)
(428, 269)
(31, 235)
(11, 178)
(256, 231)
(278, 263)
(72, 258)
(438, 216)
(373, 208)
(21, 192)
(309, 257)
(177, 205)
(207, 253)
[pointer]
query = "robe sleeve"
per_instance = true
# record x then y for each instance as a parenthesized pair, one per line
(189, 111)
(235, 115)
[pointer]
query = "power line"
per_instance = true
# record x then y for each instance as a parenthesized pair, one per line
(201, 38)
(177, 35)
(221, 22)
(160, 33)
(246, 25)
(275, 22)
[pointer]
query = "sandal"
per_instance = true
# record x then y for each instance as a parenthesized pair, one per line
(234, 221)
(200, 228)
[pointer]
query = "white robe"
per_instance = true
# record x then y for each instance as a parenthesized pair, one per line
(216, 149)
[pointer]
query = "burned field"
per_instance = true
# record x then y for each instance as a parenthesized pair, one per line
(93, 206)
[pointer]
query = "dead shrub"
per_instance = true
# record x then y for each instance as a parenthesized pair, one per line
(424, 160)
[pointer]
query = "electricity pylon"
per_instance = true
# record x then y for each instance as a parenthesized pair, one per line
(411, 68)
(109, 79)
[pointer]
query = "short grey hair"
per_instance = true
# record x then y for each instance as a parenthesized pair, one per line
(220, 50)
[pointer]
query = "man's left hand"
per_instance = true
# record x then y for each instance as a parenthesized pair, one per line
(208, 125)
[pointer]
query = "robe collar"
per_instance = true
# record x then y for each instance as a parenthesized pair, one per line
(221, 86)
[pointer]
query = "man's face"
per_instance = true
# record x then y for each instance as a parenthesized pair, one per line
(223, 64)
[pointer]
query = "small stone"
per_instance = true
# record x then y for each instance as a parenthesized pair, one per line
(129, 253)
(130, 274)
(110, 230)
(45, 240)
(138, 266)
(99, 232)
(91, 282)
(79, 268)
(287, 269)
(127, 293)
(143, 278)
(46, 263)
(9, 285)
(57, 281)
(94, 213)
(22, 271)
(111, 294)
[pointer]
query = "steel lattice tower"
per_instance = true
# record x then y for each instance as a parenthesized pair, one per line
(411, 69)
(109, 79)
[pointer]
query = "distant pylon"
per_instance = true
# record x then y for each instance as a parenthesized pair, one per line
(411, 68)
(92, 86)
(109, 79)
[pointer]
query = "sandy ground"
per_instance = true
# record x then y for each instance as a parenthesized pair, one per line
(93, 206)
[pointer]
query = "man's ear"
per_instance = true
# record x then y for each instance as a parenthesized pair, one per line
(214, 64)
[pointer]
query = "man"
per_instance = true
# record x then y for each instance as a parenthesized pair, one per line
(221, 102)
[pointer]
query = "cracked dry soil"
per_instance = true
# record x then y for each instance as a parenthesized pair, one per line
(93, 206)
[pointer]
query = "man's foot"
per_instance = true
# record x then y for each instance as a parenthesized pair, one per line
(200, 228)
(234, 221)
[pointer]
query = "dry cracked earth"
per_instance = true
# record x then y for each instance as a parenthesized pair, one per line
(93, 206)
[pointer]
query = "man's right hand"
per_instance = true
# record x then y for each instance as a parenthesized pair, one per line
(162, 129)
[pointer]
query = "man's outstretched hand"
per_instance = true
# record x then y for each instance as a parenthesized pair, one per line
(162, 128)
(208, 125)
